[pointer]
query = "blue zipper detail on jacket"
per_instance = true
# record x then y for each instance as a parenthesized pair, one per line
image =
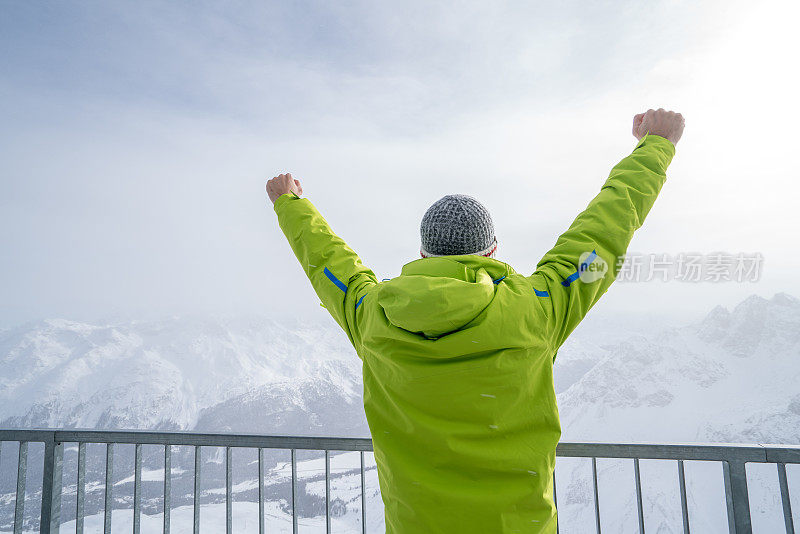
(574, 276)
(589, 259)
(571, 278)
(359, 301)
(498, 280)
(335, 280)
(541, 293)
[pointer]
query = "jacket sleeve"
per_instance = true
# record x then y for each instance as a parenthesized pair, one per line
(335, 271)
(585, 260)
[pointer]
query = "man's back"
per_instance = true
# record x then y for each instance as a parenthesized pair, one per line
(458, 354)
(464, 424)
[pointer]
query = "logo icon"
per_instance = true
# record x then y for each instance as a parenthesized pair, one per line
(592, 267)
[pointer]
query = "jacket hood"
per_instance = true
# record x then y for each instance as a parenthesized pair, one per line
(438, 295)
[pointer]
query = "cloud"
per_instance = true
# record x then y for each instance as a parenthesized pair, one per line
(136, 139)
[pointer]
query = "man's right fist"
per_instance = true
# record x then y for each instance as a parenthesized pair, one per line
(667, 124)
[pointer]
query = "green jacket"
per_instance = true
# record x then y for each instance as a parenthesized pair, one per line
(458, 356)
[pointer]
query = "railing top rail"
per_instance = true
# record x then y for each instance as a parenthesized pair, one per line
(674, 451)
(660, 451)
(788, 454)
(188, 438)
(26, 434)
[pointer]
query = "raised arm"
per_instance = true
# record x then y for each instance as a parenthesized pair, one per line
(585, 260)
(335, 271)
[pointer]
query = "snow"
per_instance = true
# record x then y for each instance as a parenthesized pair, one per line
(151, 475)
(345, 461)
(212, 520)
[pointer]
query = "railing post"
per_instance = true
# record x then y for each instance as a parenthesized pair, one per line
(167, 486)
(684, 504)
(555, 499)
(137, 489)
(80, 490)
(785, 500)
(639, 510)
(228, 492)
(51, 487)
(109, 503)
(596, 496)
(260, 491)
(736, 497)
(19, 501)
(196, 510)
(327, 491)
(363, 497)
(294, 492)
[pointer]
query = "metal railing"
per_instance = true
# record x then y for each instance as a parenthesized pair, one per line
(732, 457)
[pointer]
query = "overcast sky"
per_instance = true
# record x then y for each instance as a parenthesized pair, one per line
(136, 139)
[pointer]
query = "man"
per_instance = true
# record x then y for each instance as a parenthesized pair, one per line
(458, 350)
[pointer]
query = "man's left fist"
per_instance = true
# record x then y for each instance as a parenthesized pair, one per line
(281, 184)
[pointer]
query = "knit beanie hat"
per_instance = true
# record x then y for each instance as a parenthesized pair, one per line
(457, 224)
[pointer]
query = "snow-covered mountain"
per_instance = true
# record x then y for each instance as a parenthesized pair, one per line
(161, 375)
(733, 377)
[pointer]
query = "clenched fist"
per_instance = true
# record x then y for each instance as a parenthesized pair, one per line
(667, 124)
(283, 183)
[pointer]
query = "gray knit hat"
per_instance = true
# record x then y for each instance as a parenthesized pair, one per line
(457, 224)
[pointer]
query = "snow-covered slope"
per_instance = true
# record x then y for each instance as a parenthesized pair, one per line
(319, 407)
